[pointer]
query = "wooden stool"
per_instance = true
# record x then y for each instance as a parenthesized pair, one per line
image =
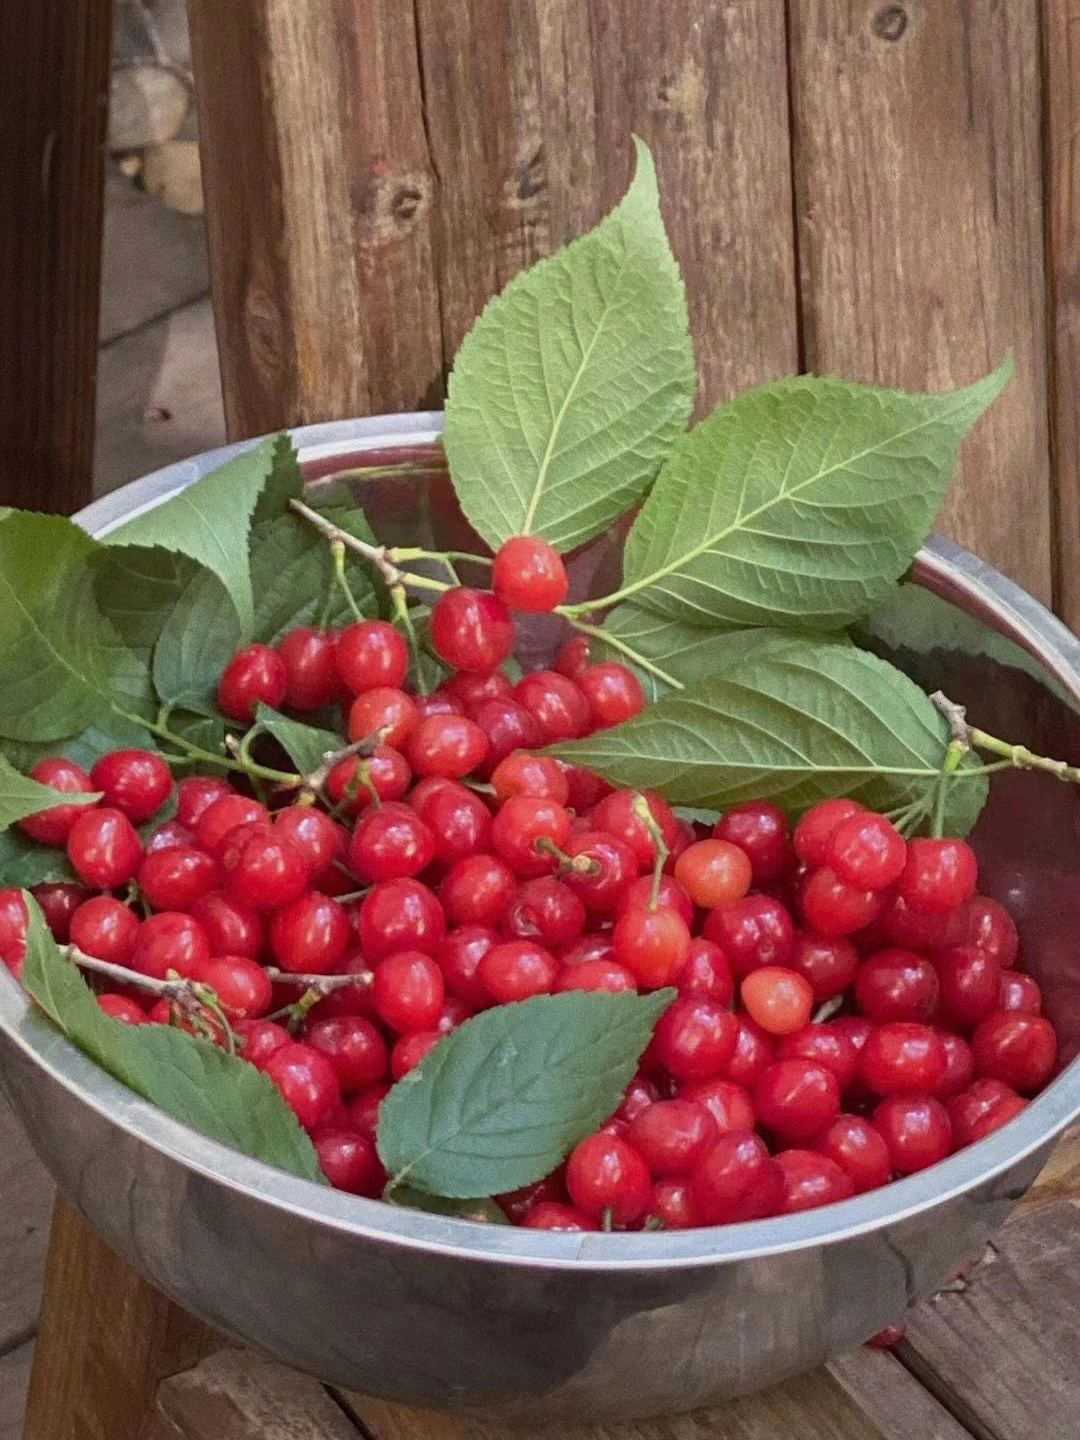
(375, 169)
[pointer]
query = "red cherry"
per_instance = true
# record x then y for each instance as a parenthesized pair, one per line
(138, 782)
(408, 991)
(256, 674)
(605, 1176)
(105, 928)
(813, 832)
(653, 945)
(572, 658)
(735, 1180)
(812, 1179)
(754, 931)
(471, 630)
(52, 826)
(174, 878)
(170, 941)
(903, 1058)
(896, 985)
(390, 843)
(780, 1000)
(385, 712)
(310, 934)
(796, 1100)
(104, 847)
(311, 675)
(866, 851)
(559, 708)
(694, 1039)
(671, 1136)
(400, 915)
(829, 965)
(859, 1149)
(306, 1080)
(1016, 1047)
(349, 1162)
(714, 872)
(939, 875)
(916, 1131)
(517, 969)
(371, 653)
(613, 692)
(760, 829)
(528, 574)
(241, 985)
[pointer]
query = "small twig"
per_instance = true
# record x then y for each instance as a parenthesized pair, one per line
(1018, 756)
(365, 746)
(377, 555)
(326, 984)
(196, 1000)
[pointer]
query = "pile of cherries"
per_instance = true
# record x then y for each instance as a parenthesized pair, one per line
(848, 1008)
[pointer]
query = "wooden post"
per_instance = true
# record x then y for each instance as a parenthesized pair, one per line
(918, 196)
(54, 75)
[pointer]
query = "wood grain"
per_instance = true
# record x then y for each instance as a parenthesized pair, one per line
(1002, 1352)
(235, 1395)
(26, 1193)
(318, 198)
(106, 1341)
(542, 99)
(54, 68)
(919, 209)
(814, 1407)
(1061, 167)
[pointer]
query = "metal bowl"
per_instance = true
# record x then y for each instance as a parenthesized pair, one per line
(440, 1312)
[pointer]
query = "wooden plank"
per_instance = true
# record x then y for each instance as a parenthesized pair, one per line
(1061, 161)
(14, 1378)
(542, 100)
(1060, 1178)
(54, 68)
(1002, 1351)
(814, 1407)
(236, 1395)
(26, 1195)
(919, 211)
(892, 1398)
(105, 1342)
(318, 196)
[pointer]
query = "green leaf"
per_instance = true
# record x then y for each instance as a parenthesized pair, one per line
(210, 522)
(206, 731)
(21, 796)
(486, 1211)
(217, 1094)
(796, 722)
(305, 745)
(59, 658)
(568, 392)
(292, 574)
(196, 643)
(671, 653)
(798, 504)
(284, 483)
(501, 1100)
(23, 862)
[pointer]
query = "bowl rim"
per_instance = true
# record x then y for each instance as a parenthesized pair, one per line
(947, 569)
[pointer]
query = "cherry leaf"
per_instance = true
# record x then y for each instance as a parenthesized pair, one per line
(504, 1098)
(215, 1093)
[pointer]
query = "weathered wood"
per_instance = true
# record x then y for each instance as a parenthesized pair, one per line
(26, 1193)
(106, 1340)
(54, 70)
(14, 1378)
(542, 99)
(1061, 168)
(815, 1407)
(892, 1398)
(318, 189)
(919, 210)
(235, 1395)
(1002, 1352)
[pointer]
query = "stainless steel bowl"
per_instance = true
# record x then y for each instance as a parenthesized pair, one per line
(440, 1312)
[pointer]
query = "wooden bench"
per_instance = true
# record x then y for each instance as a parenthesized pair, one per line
(885, 191)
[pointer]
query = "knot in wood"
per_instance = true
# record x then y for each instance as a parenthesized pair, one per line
(890, 22)
(390, 204)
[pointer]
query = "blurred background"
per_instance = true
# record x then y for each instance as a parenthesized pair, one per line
(159, 391)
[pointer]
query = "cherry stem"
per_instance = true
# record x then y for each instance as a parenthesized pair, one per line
(193, 997)
(648, 819)
(284, 778)
(953, 757)
(378, 555)
(401, 616)
(1017, 756)
(598, 633)
(576, 864)
(365, 746)
(325, 984)
(337, 550)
